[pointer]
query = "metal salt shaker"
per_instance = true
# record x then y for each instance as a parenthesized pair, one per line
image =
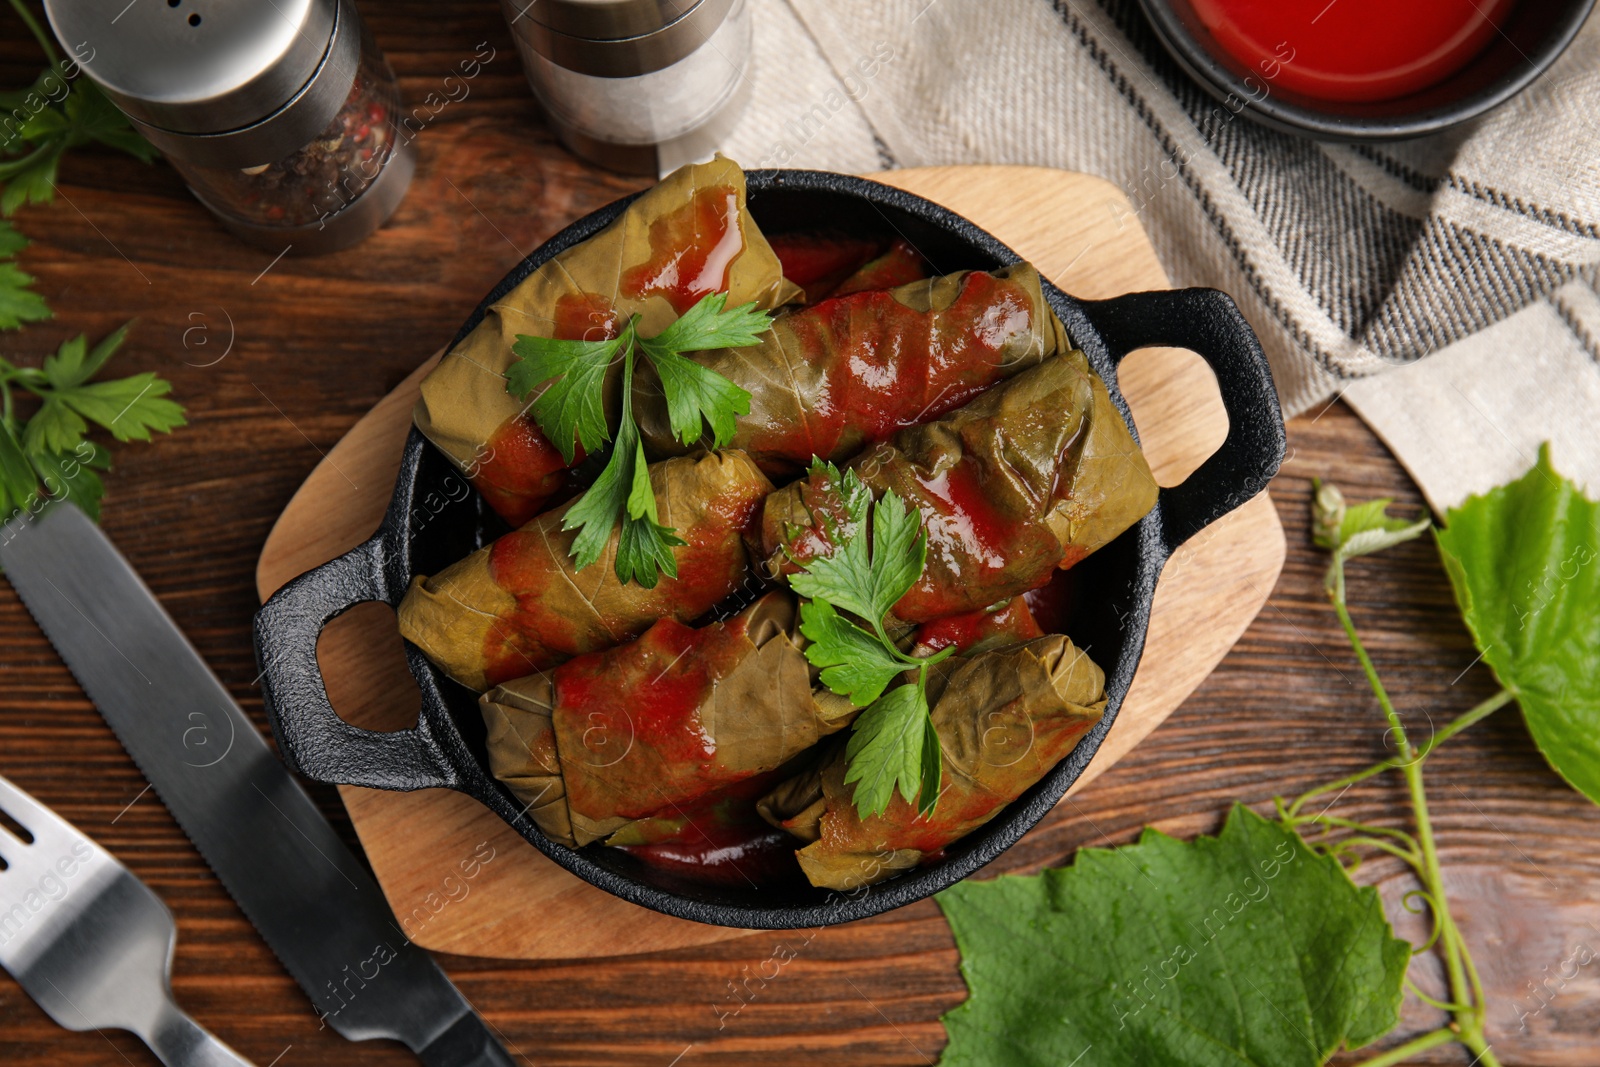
(281, 116)
(641, 86)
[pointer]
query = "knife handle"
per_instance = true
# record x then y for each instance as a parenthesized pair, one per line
(468, 1043)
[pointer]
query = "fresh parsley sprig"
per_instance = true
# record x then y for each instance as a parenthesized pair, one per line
(61, 110)
(893, 742)
(571, 412)
(18, 303)
(49, 455)
(644, 548)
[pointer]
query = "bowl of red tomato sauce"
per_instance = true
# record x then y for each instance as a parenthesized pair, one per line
(1365, 70)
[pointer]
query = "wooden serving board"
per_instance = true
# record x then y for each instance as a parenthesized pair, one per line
(461, 881)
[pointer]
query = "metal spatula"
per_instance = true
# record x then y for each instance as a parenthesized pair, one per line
(89, 941)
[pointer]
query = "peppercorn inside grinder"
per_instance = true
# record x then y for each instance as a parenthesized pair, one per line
(639, 86)
(280, 116)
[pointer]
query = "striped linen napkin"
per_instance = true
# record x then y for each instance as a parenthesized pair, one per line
(1445, 287)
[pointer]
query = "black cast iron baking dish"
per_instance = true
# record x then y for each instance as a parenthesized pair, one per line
(1115, 586)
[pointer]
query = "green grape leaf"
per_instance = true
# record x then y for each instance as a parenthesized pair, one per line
(1525, 563)
(1242, 949)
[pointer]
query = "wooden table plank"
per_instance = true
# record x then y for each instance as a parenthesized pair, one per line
(318, 342)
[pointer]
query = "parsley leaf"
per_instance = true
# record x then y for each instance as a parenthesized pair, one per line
(18, 304)
(53, 428)
(18, 482)
(694, 392)
(854, 663)
(48, 456)
(885, 748)
(11, 240)
(850, 579)
(697, 394)
(572, 407)
(1525, 563)
(932, 766)
(574, 404)
(594, 514)
(131, 408)
(61, 113)
(71, 475)
(1242, 948)
(73, 364)
(893, 742)
(644, 546)
(707, 325)
(644, 551)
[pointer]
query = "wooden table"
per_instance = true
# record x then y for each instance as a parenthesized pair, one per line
(276, 360)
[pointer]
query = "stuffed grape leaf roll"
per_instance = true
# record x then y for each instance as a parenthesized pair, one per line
(1011, 622)
(626, 745)
(899, 265)
(1031, 476)
(829, 379)
(819, 260)
(1003, 718)
(687, 237)
(828, 264)
(520, 605)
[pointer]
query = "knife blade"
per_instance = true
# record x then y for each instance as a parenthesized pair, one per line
(295, 880)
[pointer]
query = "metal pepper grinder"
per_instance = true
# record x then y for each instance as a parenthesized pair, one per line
(641, 86)
(281, 116)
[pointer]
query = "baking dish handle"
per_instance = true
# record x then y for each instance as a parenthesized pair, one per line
(1208, 323)
(313, 739)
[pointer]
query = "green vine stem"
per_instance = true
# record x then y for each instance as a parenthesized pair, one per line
(1400, 1053)
(1417, 992)
(1466, 719)
(1466, 1004)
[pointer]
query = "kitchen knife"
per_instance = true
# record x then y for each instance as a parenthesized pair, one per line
(295, 880)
